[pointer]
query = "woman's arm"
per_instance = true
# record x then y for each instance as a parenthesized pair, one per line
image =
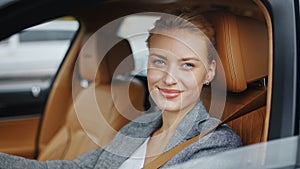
(86, 161)
(14, 162)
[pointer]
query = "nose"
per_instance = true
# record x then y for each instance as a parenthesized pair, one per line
(170, 77)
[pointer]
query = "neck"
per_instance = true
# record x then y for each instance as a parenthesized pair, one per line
(161, 137)
(171, 119)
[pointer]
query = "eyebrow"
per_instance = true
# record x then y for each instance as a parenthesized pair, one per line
(190, 58)
(157, 55)
(183, 59)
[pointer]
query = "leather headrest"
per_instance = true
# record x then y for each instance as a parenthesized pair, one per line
(242, 45)
(119, 56)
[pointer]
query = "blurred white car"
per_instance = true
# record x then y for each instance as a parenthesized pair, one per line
(37, 51)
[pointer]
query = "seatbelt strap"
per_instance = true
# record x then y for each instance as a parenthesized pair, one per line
(255, 102)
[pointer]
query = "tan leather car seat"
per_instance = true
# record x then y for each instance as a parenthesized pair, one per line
(102, 108)
(242, 45)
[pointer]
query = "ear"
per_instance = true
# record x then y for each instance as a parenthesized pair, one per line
(211, 71)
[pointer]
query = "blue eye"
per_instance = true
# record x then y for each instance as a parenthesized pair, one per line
(188, 65)
(158, 62)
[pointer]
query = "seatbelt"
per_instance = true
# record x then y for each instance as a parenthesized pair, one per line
(254, 103)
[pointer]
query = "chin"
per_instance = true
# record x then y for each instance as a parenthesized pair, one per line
(170, 107)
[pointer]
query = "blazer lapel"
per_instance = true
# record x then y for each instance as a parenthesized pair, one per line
(133, 135)
(115, 154)
(128, 139)
(190, 126)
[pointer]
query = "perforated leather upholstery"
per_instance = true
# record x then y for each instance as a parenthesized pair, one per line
(96, 115)
(242, 45)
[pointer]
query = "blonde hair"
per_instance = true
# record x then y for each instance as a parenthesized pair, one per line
(188, 20)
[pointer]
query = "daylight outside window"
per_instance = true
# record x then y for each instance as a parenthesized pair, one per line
(35, 54)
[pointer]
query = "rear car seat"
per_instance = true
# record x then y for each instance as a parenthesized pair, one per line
(102, 108)
(242, 45)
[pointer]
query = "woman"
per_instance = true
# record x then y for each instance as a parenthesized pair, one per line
(181, 60)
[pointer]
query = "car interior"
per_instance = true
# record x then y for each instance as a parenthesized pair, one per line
(92, 98)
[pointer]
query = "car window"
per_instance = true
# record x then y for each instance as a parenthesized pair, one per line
(279, 154)
(45, 35)
(135, 29)
(33, 56)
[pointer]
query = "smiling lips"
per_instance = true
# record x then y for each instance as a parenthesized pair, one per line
(169, 93)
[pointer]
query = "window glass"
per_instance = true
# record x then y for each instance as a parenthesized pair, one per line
(34, 54)
(4, 41)
(45, 35)
(135, 29)
(298, 74)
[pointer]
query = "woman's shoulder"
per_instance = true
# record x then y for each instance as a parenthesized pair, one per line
(220, 140)
(225, 136)
(222, 136)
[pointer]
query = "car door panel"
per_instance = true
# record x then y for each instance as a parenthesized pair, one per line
(16, 102)
(29, 62)
(20, 114)
(18, 136)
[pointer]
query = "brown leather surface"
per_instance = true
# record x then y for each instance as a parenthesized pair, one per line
(99, 69)
(97, 124)
(100, 110)
(242, 44)
(60, 99)
(18, 136)
(251, 126)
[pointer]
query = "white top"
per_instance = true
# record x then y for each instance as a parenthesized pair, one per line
(137, 159)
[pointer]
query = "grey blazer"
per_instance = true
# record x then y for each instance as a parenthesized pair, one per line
(134, 134)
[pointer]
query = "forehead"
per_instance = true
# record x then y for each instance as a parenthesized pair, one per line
(179, 43)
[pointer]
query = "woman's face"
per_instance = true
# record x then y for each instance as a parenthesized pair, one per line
(177, 69)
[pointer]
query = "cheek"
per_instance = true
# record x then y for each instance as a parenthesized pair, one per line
(194, 80)
(190, 81)
(153, 77)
